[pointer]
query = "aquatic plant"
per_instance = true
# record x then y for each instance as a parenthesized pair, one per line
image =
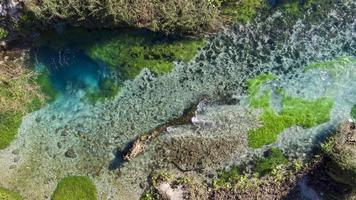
(353, 112)
(6, 194)
(43, 80)
(228, 178)
(333, 65)
(295, 111)
(130, 53)
(74, 188)
(274, 158)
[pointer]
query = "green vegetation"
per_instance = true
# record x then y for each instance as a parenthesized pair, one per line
(150, 195)
(3, 33)
(242, 11)
(130, 53)
(353, 112)
(9, 195)
(274, 158)
(295, 111)
(19, 94)
(228, 178)
(332, 65)
(108, 88)
(43, 80)
(9, 123)
(75, 188)
(184, 16)
(273, 165)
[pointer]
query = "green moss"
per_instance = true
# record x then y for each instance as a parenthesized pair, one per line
(274, 158)
(43, 80)
(9, 123)
(130, 53)
(353, 112)
(9, 195)
(227, 178)
(3, 33)
(254, 86)
(75, 188)
(295, 111)
(332, 65)
(107, 88)
(242, 11)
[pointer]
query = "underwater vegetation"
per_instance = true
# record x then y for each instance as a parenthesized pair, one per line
(353, 112)
(261, 166)
(294, 111)
(130, 53)
(9, 195)
(333, 65)
(124, 53)
(75, 188)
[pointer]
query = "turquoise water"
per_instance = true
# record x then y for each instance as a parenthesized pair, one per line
(231, 57)
(70, 70)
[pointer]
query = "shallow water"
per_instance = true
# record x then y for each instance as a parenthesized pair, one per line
(219, 70)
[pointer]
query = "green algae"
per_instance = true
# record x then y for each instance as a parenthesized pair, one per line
(75, 188)
(108, 89)
(130, 53)
(353, 111)
(274, 158)
(295, 111)
(228, 178)
(43, 80)
(332, 66)
(6, 194)
(261, 167)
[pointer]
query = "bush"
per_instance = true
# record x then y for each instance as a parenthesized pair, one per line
(186, 16)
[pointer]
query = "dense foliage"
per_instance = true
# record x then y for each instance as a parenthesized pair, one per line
(171, 16)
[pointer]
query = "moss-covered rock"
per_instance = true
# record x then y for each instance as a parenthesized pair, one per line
(341, 151)
(6, 194)
(75, 188)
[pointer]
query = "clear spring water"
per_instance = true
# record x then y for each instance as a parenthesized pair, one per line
(220, 69)
(71, 72)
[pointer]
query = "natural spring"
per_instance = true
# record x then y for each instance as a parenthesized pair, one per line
(245, 78)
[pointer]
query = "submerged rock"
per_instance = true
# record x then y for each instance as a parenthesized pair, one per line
(70, 153)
